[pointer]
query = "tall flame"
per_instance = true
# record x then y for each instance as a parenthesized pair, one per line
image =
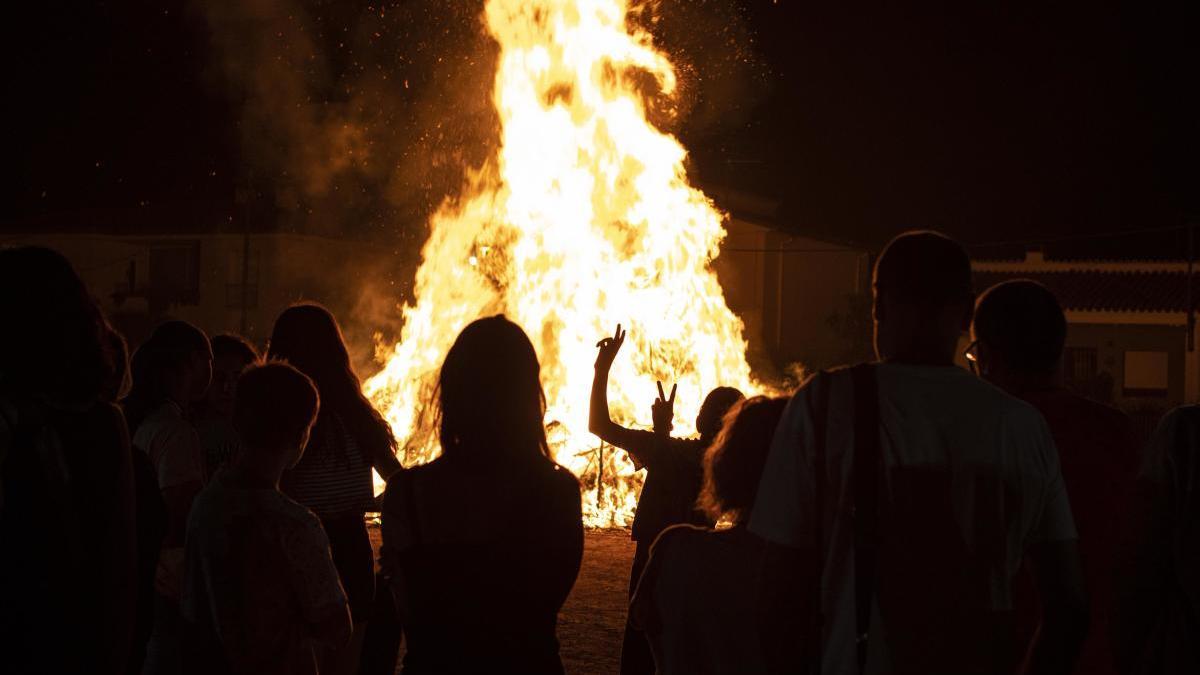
(582, 221)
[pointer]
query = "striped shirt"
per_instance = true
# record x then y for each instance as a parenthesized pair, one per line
(333, 478)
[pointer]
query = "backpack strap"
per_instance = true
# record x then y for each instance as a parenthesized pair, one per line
(818, 412)
(866, 499)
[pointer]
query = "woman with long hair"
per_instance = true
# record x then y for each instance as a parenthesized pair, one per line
(171, 370)
(333, 478)
(483, 544)
(66, 483)
(696, 598)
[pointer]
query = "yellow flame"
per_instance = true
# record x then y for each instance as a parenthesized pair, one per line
(584, 220)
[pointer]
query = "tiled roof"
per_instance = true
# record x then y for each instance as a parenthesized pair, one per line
(1152, 245)
(1106, 290)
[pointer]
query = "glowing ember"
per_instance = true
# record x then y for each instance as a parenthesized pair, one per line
(583, 220)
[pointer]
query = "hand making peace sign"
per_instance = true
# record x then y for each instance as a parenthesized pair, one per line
(663, 409)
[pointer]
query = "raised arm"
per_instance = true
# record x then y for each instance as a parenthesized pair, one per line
(599, 420)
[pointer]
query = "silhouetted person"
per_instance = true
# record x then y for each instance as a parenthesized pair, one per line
(214, 413)
(673, 474)
(66, 484)
(149, 509)
(333, 478)
(696, 599)
(171, 370)
(914, 489)
(483, 544)
(1156, 623)
(261, 590)
(1019, 331)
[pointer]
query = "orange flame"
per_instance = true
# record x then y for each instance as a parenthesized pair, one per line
(583, 220)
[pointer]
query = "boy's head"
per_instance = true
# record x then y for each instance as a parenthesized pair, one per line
(712, 411)
(923, 296)
(274, 411)
(1020, 330)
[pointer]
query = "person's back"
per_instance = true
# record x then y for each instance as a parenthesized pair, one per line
(970, 482)
(256, 563)
(261, 591)
(963, 484)
(1099, 461)
(696, 600)
(968, 473)
(486, 557)
(483, 544)
(1157, 618)
(66, 484)
(1019, 332)
(63, 476)
(704, 605)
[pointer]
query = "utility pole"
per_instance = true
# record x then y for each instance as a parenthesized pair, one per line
(245, 302)
(1191, 303)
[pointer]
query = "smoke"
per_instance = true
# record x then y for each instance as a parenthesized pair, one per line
(352, 117)
(360, 119)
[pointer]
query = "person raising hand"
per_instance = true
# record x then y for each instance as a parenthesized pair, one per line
(674, 472)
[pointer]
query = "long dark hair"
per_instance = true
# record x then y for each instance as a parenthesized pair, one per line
(308, 337)
(54, 344)
(490, 398)
(153, 365)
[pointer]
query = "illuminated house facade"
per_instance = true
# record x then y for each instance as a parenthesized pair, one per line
(1128, 336)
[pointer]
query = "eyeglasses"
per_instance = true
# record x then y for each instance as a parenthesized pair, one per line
(971, 354)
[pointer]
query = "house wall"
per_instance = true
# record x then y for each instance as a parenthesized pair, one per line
(787, 289)
(142, 281)
(1112, 341)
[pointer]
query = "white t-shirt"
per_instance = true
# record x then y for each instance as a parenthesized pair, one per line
(259, 577)
(978, 465)
(172, 444)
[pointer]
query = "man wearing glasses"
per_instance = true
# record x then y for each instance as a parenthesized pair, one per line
(1018, 335)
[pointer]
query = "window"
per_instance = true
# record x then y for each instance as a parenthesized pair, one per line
(1080, 365)
(1146, 373)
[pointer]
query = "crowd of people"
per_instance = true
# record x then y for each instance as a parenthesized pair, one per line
(199, 508)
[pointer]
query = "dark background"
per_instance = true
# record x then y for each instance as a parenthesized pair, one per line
(996, 122)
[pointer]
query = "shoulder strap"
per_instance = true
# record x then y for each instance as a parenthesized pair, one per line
(866, 498)
(818, 412)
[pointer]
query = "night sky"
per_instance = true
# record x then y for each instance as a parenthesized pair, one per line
(992, 121)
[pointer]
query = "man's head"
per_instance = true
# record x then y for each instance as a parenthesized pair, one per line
(712, 411)
(1019, 329)
(923, 298)
(274, 412)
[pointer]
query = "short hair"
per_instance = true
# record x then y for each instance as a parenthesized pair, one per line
(714, 408)
(1023, 322)
(275, 406)
(227, 344)
(924, 267)
(734, 463)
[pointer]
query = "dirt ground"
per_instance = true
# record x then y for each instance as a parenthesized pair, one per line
(592, 621)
